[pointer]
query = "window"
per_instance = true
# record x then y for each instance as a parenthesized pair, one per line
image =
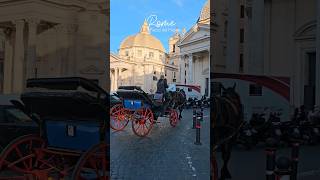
(155, 78)
(165, 72)
(242, 11)
(150, 54)
(154, 72)
(174, 80)
(225, 29)
(174, 74)
(174, 48)
(241, 35)
(255, 90)
(241, 63)
(185, 81)
(189, 90)
(127, 53)
(139, 53)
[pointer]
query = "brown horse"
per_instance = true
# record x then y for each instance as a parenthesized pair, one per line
(227, 119)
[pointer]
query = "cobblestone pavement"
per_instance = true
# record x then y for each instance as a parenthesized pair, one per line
(167, 153)
(250, 165)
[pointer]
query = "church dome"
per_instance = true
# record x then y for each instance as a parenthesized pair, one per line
(143, 39)
(205, 13)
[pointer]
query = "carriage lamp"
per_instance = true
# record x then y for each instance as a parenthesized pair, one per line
(71, 130)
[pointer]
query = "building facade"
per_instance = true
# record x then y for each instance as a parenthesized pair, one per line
(52, 39)
(192, 50)
(141, 61)
(271, 38)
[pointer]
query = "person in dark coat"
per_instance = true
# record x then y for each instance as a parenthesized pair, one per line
(162, 85)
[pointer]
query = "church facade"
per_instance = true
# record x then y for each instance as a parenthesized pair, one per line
(271, 38)
(141, 61)
(52, 39)
(186, 63)
(193, 52)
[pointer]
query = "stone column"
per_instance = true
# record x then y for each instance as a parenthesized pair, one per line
(8, 63)
(133, 76)
(119, 77)
(258, 24)
(233, 39)
(74, 56)
(182, 69)
(190, 58)
(111, 80)
(61, 50)
(18, 67)
(66, 49)
(31, 53)
(116, 78)
(318, 56)
(248, 36)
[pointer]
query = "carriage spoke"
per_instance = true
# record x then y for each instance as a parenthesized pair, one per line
(21, 156)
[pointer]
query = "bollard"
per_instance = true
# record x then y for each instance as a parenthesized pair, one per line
(283, 171)
(194, 117)
(201, 108)
(294, 160)
(270, 166)
(198, 127)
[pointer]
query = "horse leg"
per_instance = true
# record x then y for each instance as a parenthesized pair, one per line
(226, 153)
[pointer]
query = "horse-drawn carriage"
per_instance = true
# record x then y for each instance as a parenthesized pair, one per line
(73, 140)
(141, 109)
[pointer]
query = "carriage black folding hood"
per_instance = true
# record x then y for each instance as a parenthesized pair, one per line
(61, 100)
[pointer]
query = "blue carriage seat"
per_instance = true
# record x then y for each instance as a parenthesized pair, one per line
(134, 98)
(72, 120)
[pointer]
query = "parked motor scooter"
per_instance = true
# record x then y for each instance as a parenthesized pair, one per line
(275, 130)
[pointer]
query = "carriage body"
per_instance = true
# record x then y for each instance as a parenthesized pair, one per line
(133, 98)
(140, 108)
(72, 135)
(71, 114)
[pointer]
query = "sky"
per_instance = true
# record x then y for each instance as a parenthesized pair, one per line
(165, 16)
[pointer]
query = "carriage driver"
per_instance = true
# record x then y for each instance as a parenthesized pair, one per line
(162, 85)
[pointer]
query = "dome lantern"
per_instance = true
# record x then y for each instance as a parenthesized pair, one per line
(145, 28)
(143, 39)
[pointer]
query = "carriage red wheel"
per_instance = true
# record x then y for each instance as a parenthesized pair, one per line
(20, 156)
(143, 121)
(118, 119)
(94, 164)
(174, 117)
(214, 168)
